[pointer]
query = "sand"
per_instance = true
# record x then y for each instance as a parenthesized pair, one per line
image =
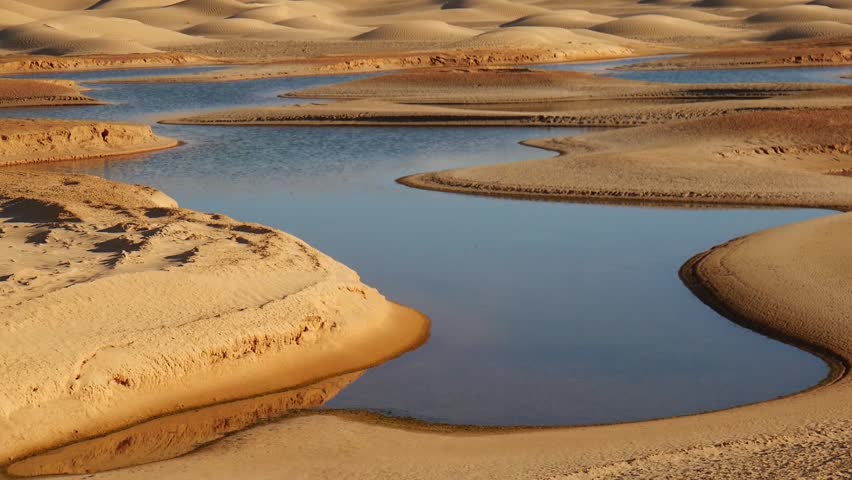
(182, 309)
(297, 38)
(36, 141)
(796, 158)
(522, 97)
(38, 93)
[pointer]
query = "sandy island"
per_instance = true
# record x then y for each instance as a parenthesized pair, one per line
(42, 93)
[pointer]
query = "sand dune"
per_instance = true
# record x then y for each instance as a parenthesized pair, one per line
(746, 4)
(802, 13)
(94, 46)
(125, 4)
(503, 8)
(563, 19)
(210, 8)
(9, 18)
(661, 27)
(693, 14)
(317, 22)
(824, 29)
(34, 35)
(539, 37)
(422, 31)
(847, 4)
(25, 9)
(231, 26)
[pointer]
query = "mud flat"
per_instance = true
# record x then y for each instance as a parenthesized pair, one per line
(118, 306)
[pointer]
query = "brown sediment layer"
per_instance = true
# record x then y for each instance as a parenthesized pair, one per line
(36, 141)
(763, 56)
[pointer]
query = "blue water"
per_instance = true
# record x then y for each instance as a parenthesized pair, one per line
(543, 313)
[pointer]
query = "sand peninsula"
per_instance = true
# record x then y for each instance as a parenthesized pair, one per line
(182, 309)
(42, 93)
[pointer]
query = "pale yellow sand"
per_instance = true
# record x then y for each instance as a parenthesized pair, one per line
(117, 306)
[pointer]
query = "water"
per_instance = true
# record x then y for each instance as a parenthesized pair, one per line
(543, 313)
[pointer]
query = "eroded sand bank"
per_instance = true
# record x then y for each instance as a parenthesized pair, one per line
(118, 306)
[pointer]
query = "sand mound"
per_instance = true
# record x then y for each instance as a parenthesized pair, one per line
(533, 37)
(231, 27)
(418, 31)
(121, 29)
(802, 13)
(316, 22)
(25, 9)
(500, 7)
(94, 46)
(212, 8)
(122, 4)
(692, 14)
(660, 27)
(811, 30)
(271, 13)
(9, 18)
(847, 4)
(563, 19)
(34, 35)
(745, 3)
(298, 34)
(63, 4)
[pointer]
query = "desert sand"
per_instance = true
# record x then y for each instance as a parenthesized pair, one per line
(198, 326)
(39, 93)
(321, 36)
(35, 141)
(182, 309)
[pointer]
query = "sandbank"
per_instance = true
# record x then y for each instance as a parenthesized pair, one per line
(41, 93)
(182, 309)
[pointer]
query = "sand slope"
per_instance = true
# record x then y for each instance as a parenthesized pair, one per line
(821, 29)
(661, 27)
(422, 31)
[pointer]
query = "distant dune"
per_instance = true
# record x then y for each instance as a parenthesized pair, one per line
(422, 31)
(562, 19)
(661, 27)
(805, 30)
